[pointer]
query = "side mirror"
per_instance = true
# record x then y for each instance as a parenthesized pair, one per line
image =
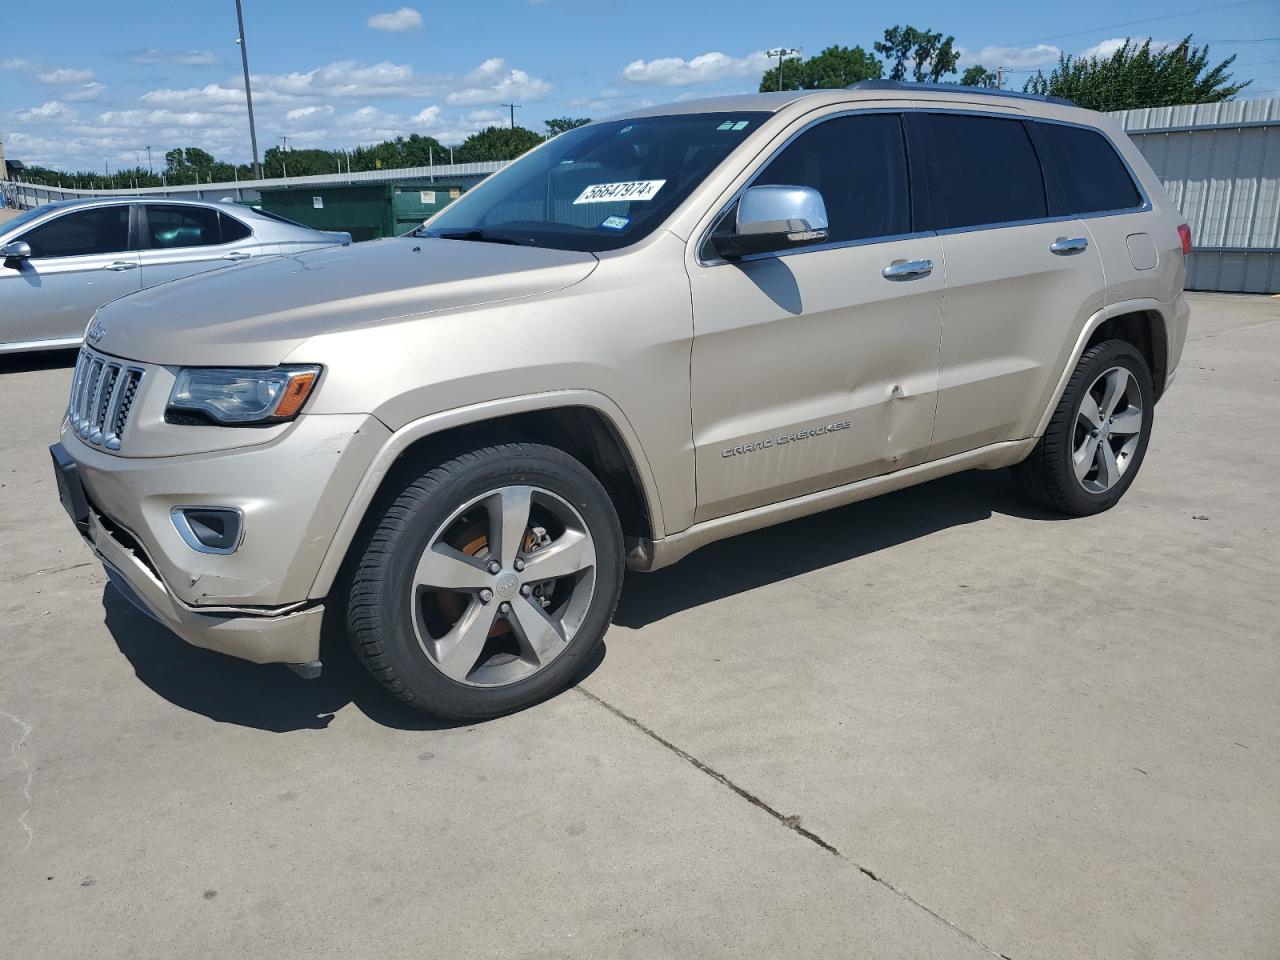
(17, 250)
(774, 218)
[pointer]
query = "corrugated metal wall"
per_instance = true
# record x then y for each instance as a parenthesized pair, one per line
(1220, 163)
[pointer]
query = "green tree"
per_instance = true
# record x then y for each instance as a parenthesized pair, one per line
(833, 68)
(1134, 77)
(496, 143)
(930, 55)
(979, 76)
(558, 125)
(174, 160)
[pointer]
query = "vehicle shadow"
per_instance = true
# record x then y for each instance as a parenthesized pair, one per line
(38, 360)
(729, 567)
(269, 698)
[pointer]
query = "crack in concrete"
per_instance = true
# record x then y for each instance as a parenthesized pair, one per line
(790, 822)
(13, 578)
(15, 748)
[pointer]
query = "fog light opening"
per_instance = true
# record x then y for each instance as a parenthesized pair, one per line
(209, 529)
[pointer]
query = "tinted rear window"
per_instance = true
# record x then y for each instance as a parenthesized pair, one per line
(182, 226)
(986, 171)
(232, 229)
(859, 165)
(1091, 173)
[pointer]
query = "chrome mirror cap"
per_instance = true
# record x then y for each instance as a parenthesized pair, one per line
(781, 209)
(18, 249)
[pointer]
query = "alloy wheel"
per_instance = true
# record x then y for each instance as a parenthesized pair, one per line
(503, 586)
(1108, 430)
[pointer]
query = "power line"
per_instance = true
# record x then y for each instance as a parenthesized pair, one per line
(1131, 23)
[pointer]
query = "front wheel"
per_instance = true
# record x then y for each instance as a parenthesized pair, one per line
(1097, 437)
(488, 582)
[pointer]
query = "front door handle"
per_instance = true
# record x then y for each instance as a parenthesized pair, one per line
(907, 269)
(1064, 247)
(120, 265)
(237, 255)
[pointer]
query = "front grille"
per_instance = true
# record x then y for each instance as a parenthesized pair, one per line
(102, 394)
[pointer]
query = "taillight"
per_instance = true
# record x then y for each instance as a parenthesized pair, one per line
(1184, 234)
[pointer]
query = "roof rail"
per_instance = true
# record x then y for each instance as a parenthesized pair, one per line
(955, 88)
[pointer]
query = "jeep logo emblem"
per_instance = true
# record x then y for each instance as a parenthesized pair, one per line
(507, 585)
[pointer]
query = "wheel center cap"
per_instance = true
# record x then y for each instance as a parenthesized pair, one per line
(507, 585)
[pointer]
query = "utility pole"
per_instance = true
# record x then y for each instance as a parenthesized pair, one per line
(781, 53)
(1000, 77)
(514, 107)
(150, 169)
(248, 93)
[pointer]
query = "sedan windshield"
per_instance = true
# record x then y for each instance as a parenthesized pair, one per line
(598, 187)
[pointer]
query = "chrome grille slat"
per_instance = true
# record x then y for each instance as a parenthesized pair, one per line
(102, 393)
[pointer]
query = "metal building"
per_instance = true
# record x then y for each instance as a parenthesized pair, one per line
(1220, 163)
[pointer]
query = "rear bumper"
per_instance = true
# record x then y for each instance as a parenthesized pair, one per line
(290, 636)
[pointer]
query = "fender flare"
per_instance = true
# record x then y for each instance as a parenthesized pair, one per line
(401, 439)
(1141, 305)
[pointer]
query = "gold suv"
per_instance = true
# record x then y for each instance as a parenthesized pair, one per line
(649, 333)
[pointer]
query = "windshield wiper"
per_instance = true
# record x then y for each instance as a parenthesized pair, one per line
(479, 236)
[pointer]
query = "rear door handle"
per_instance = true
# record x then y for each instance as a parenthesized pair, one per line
(237, 255)
(120, 265)
(1064, 247)
(907, 269)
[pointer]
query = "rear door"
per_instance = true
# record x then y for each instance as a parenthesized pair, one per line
(1141, 251)
(1021, 283)
(79, 260)
(181, 239)
(811, 368)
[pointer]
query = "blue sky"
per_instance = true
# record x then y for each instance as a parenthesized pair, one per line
(81, 85)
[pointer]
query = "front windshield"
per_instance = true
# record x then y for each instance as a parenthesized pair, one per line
(598, 187)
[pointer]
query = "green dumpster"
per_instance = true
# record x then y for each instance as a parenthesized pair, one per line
(364, 210)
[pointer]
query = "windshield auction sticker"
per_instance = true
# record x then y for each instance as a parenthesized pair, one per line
(620, 192)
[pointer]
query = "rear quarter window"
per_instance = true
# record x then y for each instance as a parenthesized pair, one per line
(1090, 173)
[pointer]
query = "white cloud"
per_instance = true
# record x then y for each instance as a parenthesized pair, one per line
(186, 57)
(427, 117)
(159, 118)
(64, 76)
(491, 82)
(310, 113)
(396, 21)
(52, 110)
(92, 90)
(707, 67)
(1015, 58)
(1106, 48)
(15, 63)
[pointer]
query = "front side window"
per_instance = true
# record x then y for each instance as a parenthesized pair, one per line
(100, 230)
(598, 187)
(984, 171)
(1092, 175)
(859, 165)
(172, 226)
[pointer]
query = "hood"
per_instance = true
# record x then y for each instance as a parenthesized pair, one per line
(257, 313)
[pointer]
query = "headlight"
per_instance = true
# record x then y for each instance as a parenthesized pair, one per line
(237, 397)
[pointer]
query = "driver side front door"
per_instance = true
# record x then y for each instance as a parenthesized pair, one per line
(812, 368)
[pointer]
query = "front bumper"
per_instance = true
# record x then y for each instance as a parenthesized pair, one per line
(292, 637)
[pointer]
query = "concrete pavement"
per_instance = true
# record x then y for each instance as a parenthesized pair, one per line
(937, 724)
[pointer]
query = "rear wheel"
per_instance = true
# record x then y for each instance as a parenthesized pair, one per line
(1097, 437)
(488, 582)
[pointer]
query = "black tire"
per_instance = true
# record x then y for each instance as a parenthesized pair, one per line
(1047, 476)
(379, 611)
